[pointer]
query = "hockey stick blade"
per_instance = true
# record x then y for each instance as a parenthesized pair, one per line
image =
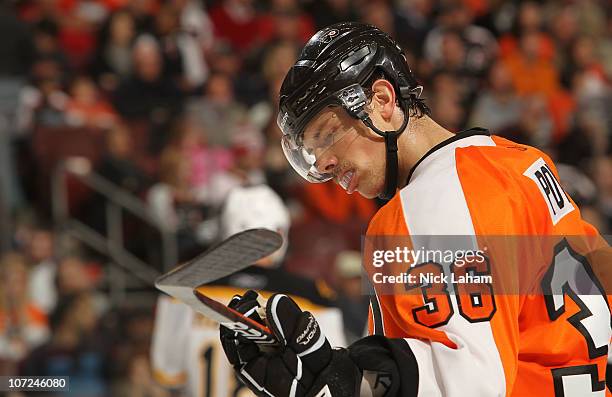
(230, 256)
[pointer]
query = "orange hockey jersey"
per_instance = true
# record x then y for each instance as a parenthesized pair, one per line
(536, 334)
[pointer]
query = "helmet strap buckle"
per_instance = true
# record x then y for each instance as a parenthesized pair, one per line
(353, 99)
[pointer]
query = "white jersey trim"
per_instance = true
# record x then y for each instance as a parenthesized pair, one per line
(434, 204)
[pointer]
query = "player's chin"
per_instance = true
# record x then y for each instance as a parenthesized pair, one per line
(377, 191)
(368, 191)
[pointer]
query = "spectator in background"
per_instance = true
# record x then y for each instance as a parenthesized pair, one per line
(592, 17)
(401, 21)
(416, 18)
(534, 126)
(182, 51)
(120, 165)
(247, 144)
(380, 14)
(75, 349)
(75, 276)
(237, 22)
(193, 37)
(584, 193)
(584, 59)
(283, 27)
(119, 162)
(564, 30)
(137, 328)
(132, 340)
(277, 61)
(23, 326)
(531, 72)
(497, 107)
(197, 176)
(454, 62)
(149, 93)
(352, 299)
(195, 22)
(128, 329)
(452, 54)
(137, 380)
(590, 88)
(217, 110)
(41, 286)
(112, 62)
(43, 103)
(166, 31)
(205, 161)
(285, 21)
(78, 22)
(447, 100)
(587, 139)
(86, 108)
(44, 100)
(142, 11)
(480, 45)
(47, 48)
(529, 21)
(224, 59)
(175, 203)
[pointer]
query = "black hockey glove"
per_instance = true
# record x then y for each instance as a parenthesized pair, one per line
(303, 365)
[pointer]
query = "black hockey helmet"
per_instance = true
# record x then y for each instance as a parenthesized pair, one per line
(332, 70)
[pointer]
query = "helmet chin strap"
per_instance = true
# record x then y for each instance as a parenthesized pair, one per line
(392, 162)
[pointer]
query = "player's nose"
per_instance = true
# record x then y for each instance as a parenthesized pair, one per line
(326, 163)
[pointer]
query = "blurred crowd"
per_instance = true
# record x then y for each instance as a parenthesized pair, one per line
(174, 101)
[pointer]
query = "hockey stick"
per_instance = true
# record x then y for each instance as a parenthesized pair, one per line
(230, 256)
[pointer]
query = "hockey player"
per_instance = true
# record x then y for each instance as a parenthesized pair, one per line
(351, 112)
(186, 352)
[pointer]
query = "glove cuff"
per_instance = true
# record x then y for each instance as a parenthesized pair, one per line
(340, 378)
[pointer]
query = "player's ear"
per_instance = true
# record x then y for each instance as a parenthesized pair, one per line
(383, 98)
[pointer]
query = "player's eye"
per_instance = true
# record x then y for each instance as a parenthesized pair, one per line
(329, 138)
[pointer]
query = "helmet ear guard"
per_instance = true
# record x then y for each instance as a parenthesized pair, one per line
(354, 100)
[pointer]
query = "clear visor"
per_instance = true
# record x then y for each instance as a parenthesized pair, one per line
(303, 161)
(309, 155)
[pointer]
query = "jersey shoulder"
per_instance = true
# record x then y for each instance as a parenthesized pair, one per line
(512, 157)
(476, 183)
(517, 185)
